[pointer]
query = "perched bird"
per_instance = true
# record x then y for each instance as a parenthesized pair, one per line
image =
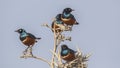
(58, 19)
(57, 24)
(68, 18)
(67, 54)
(27, 38)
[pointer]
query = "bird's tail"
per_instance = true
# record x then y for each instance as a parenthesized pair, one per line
(76, 23)
(38, 38)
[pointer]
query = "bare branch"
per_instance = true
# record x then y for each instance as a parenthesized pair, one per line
(88, 55)
(78, 50)
(29, 54)
(54, 49)
(39, 58)
(46, 25)
(59, 57)
(54, 53)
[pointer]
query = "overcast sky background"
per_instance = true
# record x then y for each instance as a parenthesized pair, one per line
(98, 32)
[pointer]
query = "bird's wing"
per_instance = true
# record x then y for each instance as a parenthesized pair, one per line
(31, 35)
(58, 16)
(52, 25)
(22, 38)
(72, 16)
(72, 51)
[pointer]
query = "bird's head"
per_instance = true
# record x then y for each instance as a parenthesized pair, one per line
(20, 31)
(67, 10)
(58, 17)
(64, 47)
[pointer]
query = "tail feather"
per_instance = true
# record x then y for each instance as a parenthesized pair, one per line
(76, 23)
(38, 38)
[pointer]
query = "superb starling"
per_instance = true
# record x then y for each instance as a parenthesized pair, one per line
(68, 18)
(57, 24)
(67, 54)
(27, 39)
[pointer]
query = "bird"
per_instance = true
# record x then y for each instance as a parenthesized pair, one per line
(57, 24)
(68, 18)
(67, 54)
(26, 38)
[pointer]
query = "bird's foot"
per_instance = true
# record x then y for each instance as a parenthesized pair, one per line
(68, 28)
(27, 53)
(68, 38)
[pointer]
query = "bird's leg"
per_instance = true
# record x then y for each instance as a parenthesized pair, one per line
(31, 50)
(28, 52)
(68, 38)
(70, 27)
(25, 52)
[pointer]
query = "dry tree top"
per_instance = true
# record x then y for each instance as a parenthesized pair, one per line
(56, 60)
(67, 58)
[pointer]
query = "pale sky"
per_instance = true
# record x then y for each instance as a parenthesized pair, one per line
(98, 32)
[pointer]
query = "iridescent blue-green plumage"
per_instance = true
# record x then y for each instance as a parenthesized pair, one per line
(65, 50)
(67, 54)
(24, 34)
(67, 17)
(57, 23)
(26, 38)
(58, 19)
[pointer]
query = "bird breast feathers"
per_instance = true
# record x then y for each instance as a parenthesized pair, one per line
(64, 19)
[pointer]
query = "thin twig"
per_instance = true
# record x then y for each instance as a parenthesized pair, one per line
(39, 58)
(30, 55)
(88, 55)
(78, 50)
(48, 26)
(55, 48)
(59, 57)
(54, 53)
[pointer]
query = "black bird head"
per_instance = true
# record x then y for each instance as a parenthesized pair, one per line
(64, 47)
(58, 17)
(67, 10)
(20, 31)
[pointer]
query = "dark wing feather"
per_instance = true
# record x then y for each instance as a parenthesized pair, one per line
(52, 25)
(22, 38)
(72, 51)
(72, 16)
(31, 35)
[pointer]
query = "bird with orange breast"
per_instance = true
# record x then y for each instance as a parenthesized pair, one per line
(68, 18)
(27, 39)
(57, 24)
(67, 54)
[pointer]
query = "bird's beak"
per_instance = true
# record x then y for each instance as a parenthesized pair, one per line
(16, 30)
(73, 10)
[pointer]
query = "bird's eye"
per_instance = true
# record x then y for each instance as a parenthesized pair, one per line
(64, 47)
(20, 30)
